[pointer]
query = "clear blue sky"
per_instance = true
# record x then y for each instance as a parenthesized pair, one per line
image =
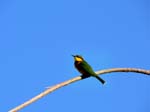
(37, 39)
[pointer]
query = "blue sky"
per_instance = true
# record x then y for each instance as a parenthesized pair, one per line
(37, 39)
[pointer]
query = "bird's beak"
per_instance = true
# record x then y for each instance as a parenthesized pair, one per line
(73, 55)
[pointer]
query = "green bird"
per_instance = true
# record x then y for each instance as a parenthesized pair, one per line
(84, 68)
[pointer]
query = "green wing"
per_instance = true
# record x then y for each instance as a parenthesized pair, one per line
(87, 69)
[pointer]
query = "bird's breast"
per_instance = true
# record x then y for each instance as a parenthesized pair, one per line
(79, 67)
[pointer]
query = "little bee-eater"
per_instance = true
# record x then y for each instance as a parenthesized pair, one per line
(84, 68)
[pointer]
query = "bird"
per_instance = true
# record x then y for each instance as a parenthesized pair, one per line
(84, 68)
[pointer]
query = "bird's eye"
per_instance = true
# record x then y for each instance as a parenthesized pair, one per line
(79, 57)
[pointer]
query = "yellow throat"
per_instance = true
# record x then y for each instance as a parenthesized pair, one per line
(78, 59)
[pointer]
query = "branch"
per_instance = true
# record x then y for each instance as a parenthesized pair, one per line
(57, 86)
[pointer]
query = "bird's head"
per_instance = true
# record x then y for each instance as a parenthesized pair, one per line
(78, 58)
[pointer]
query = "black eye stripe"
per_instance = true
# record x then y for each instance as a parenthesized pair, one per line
(78, 56)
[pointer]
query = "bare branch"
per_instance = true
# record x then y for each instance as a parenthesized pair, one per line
(57, 86)
(136, 70)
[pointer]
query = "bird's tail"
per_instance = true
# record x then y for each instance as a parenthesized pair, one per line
(100, 79)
